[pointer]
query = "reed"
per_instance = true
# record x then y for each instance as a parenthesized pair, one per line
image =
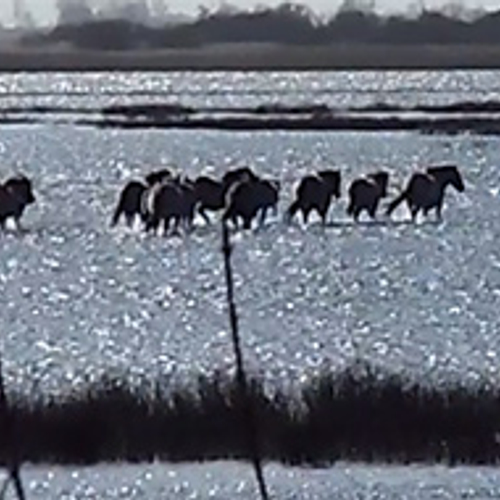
(359, 414)
(9, 440)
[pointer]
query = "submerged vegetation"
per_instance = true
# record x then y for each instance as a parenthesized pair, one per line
(480, 117)
(359, 414)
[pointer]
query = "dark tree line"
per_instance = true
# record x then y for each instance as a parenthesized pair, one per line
(289, 24)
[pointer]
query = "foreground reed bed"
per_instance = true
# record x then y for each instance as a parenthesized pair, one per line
(360, 414)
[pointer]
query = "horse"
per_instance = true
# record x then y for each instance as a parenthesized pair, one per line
(15, 195)
(365, 194)
(210, 195)
(169, 201)
(251, 197)
(425, 190)
(130, 203)
(315, 192)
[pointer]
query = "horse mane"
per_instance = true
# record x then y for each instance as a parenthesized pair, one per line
(18, 177)
(329, 173)
(380, 176)
(441, 169)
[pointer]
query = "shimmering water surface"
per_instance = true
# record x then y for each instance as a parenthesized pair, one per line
(227, 480)
(79, 297)
(338, 89)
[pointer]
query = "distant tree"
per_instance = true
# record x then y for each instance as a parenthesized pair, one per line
(364, 6)
(74, 12)
(158, 12)
(22, 16)
(487, 28)
(203, 12)
(127, 24)
(356, 20)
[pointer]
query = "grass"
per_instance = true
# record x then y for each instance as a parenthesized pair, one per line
(360, 414)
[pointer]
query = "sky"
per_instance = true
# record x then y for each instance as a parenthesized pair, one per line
(44, 11)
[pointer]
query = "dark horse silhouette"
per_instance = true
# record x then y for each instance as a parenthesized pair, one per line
(250, 198)
(365, 194)
(15, 195)
(130, 203)
(211, 193)
(169, 201)
(315, 193)
(425, 190)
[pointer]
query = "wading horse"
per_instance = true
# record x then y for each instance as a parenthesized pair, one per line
(425, 190)
(211, 193)
(130, 203)
(15, 195)
(365, 194)
(168, 202)
(250, 198)
(315, 193)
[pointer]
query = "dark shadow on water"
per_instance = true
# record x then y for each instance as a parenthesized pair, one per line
(383, 223)
(76, 230)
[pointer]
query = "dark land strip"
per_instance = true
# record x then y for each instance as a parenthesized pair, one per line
(454, 118)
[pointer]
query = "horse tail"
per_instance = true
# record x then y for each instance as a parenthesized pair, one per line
(117, 213)
(292, 210)
(397, 201)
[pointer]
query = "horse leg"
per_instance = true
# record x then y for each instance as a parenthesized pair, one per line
(373, 209)
(305, 214)
(190, 223)
(356, 213)
(247, 222)
(202, 212)
(414, 213)
(151, 223)
(165, 223)
(129, 219)
(262, 216)
(116, 216)
(439, 208)
(177, 223)
(323, 212)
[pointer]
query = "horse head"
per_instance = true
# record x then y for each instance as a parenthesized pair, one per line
(238, 175)
(158, 176)
(448, 174)
(331, 179)
(381, 179)
(21, 188)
